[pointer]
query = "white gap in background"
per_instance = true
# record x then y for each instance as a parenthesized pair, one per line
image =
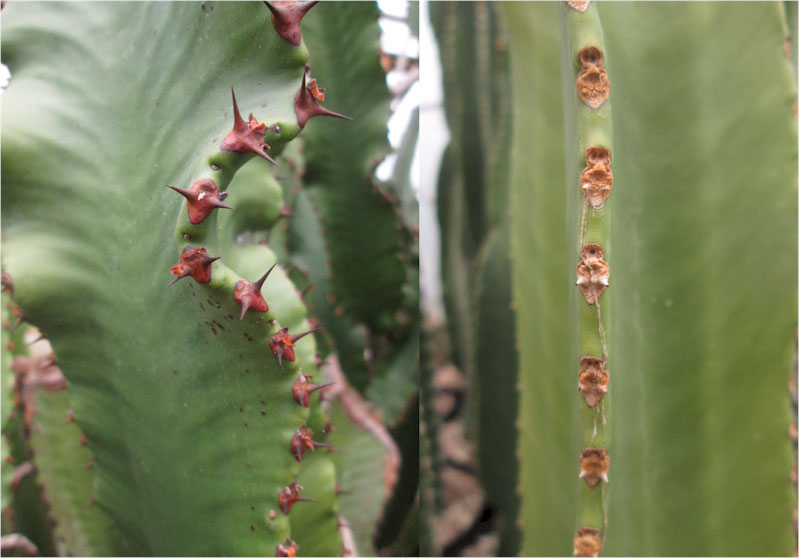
(434, 137)
(397, 40)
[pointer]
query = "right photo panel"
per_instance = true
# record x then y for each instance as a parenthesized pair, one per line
(608, 257)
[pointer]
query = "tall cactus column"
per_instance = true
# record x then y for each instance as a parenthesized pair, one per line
(584, 37)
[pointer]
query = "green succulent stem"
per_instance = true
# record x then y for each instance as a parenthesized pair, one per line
(592, 129)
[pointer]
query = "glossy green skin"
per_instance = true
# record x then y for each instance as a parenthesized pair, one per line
(703, 281)
(167, 383)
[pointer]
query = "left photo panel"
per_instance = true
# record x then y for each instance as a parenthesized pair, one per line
(210, 293)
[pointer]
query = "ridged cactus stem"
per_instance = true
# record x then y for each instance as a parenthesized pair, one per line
(590, 164)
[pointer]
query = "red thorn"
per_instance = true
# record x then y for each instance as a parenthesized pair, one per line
(306, 106)
(289, 496)
(194, 262)
(286, 212)
(263, 278)
(282, 344)
(295, 337)
(202, 198)
(82, 442)
(301, 442)
(302, 388)
(286, 549)
(246, 136)
(286, 17)
(70, 416)
(248, 295)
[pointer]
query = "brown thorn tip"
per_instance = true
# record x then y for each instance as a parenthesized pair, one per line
(321, 386)
(261, 281)
(219, 204)
(177, 278)
(237, 116)
(182, 191)
(308, 5)
(295, 337)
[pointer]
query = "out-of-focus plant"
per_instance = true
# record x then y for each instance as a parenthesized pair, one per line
(648, 153)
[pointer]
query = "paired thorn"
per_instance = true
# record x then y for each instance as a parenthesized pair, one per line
(301, 442)
(248, 295)
(246, 136)
(282, 343)
(194, 262)
(303, 388)
(286, 18)
(202, 198)
(291, 495)
(286, 549)
(306, 103)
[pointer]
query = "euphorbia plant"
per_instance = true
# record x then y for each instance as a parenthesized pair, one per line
(178, 321)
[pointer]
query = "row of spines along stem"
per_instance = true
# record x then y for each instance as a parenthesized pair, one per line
(207, 194)
(585, 42)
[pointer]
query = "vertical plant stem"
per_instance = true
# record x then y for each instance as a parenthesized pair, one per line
(589, 178)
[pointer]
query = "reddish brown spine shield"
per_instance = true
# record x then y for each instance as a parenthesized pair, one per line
(202, 198)
(286, 18)
(289, 496)
(194, 262)
(246, 136)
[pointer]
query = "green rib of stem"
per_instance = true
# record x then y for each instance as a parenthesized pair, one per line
(587, 127)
